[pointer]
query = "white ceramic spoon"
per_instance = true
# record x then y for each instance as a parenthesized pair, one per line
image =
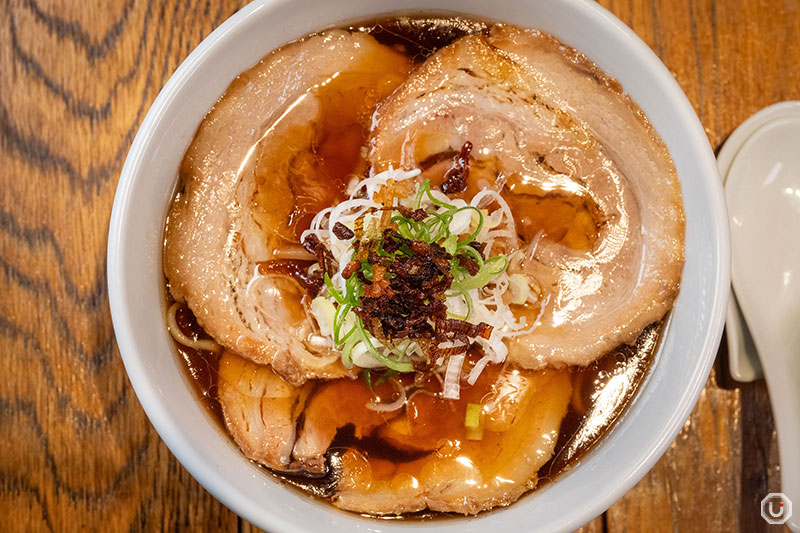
(743, 362)
(763, 194)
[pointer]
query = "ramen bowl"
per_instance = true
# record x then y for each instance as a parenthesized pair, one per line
(136, 286)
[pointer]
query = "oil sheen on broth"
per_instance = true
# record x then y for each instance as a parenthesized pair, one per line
(599, 392)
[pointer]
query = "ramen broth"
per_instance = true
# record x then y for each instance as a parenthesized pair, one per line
(600, 392)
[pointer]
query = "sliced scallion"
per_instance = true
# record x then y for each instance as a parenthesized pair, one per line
(472, 419)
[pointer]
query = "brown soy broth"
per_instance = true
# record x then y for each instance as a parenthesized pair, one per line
(569, 219)
(420, 36)
(322, 157)
(393, 445)
(201, 365)
(600, 394)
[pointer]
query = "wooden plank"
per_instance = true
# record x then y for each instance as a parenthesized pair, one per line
(76, 79)
(725, 459)
(597, 525)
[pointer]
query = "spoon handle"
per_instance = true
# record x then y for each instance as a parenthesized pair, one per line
(781, 364)
(743, 361)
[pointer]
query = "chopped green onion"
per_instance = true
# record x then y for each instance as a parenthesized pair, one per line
(491, 268)
(519, 288)
(436, 201)
(404, 227)
(336, 294)
(338, 322)
(460, 291)
(366, 269)
(475, 434)
(473, 421)
(477, 231)
(421, 192)
(388, 362)
(450, 244)
(441, 225)
(472, 252)
(347, 349)
(348, 330)
(473, 416)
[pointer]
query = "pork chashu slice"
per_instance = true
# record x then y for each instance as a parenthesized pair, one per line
(246, 178)
(522, 418)
(545, 121)
(260, 410)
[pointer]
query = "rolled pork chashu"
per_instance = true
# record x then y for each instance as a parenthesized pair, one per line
(524, 413)
(494, 472)
(260, 410)
(517, 95)
(543, 118)
(216, 235)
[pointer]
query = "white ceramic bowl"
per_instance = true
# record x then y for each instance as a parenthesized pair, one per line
(135, 279)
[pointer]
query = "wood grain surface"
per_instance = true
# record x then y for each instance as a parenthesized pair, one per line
(77, 452)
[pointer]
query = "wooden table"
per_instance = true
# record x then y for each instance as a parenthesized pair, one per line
(76, 79)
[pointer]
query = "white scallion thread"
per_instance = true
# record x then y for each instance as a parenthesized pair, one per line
(452, 377)
(390, 406)
(487, 303)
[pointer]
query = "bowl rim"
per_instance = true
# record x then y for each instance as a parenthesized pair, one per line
(186, 450)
